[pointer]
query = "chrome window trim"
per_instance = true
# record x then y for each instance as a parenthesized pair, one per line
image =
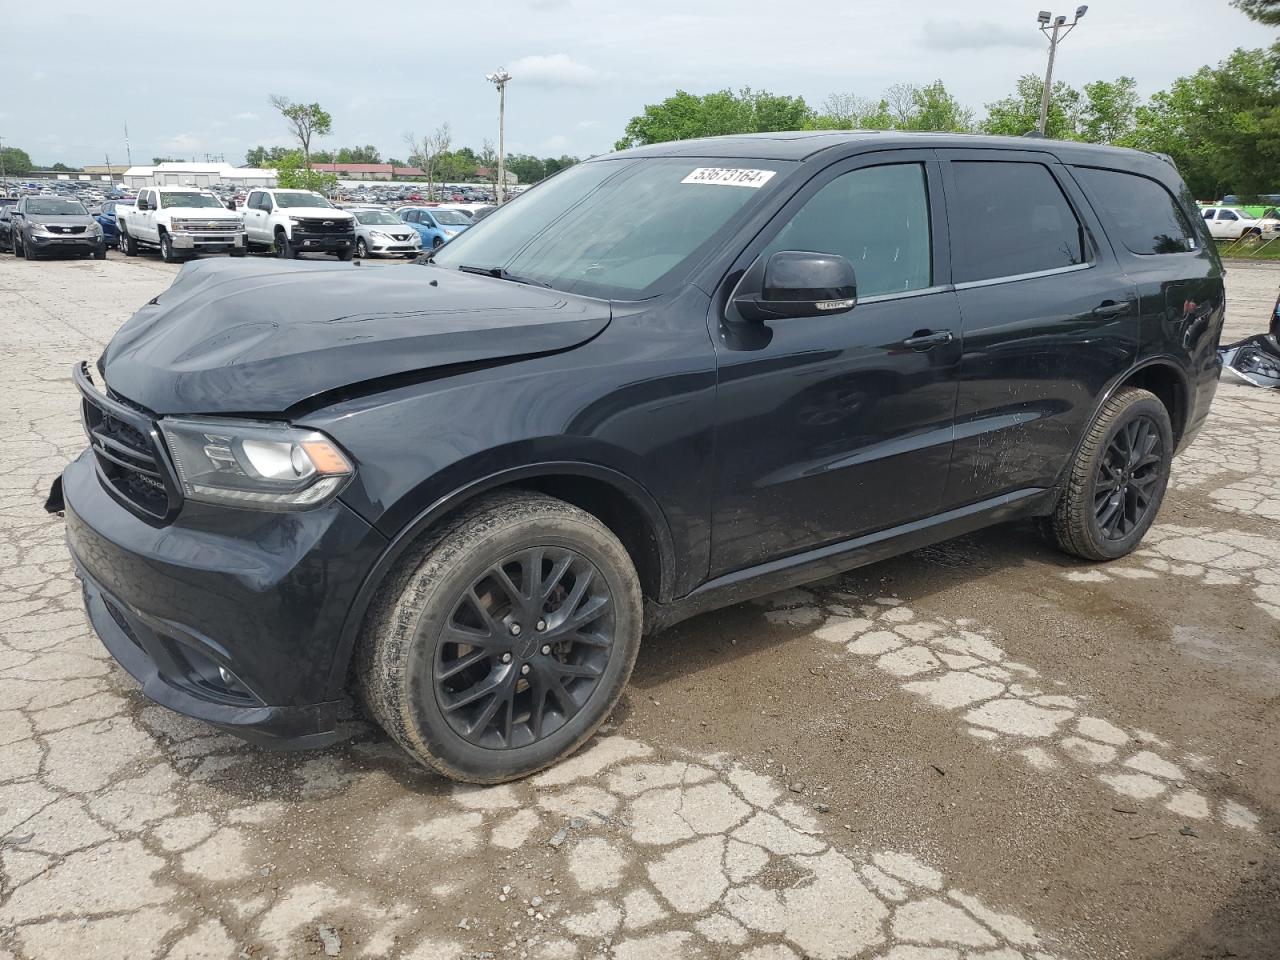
(993, 281)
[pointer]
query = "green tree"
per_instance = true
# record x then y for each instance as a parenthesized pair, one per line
(1264, 11)
(936, 109)
(265, 156)
(16, 161)
(292, 173)
(63, 168)
(305, 120)
(1019, 113)
(685, 115)
(1221, 125)
(366, 154)
(156, 161)
(848, 111)
(1109, 113)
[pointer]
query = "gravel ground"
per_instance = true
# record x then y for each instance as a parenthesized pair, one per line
(978, 750)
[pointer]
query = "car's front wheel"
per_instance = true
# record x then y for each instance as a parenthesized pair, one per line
(362, 250)
(502, 641)
(1116, 482)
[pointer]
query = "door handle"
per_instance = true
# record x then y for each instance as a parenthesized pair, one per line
(1110, 308)
(927, 339)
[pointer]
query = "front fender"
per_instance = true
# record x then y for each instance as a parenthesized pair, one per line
(455, 498)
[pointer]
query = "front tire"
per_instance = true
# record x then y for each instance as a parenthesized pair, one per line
(346, 255)
(362, 251)
(128, 244)
(501, 642)
(167, 253)
(284, 249)
(1117, 480)
(28, 251)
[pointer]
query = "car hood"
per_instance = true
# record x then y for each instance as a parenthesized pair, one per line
(49, 220)
(261, 336)
(202, 213)
(327, 213)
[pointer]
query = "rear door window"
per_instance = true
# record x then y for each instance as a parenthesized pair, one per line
(1010, 219)
(1142, 214)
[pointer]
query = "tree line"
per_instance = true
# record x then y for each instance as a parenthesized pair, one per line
(1220, 125)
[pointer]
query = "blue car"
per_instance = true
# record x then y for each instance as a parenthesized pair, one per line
(106, 218)
(436, 226)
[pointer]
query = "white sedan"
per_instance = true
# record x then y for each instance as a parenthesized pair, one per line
(383, 234)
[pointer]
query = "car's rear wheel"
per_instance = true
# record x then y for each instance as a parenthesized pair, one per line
(502, 641)
(1117, 480)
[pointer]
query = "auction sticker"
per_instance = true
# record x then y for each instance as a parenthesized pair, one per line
(730, 176)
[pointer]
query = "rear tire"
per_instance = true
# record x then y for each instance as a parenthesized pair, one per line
(452, 660)
(1117, 480)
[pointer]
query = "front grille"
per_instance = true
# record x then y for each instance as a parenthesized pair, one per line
(60, 228)
(324, 225)
(208, 226)
(125, 445)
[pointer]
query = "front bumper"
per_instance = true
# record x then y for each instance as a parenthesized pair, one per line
(324, 242)
(80, 241)
(260, 595)
(183, 240)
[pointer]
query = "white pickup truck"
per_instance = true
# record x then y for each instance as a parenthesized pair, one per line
(1224, 223)
(298, 221)
(181, 221)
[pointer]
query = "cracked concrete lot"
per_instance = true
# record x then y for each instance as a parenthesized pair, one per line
(979, 750)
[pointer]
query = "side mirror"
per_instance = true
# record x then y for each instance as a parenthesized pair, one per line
(142, 205)
(796, 283)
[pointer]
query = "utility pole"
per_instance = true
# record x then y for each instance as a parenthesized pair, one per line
(4, 180)
(499, 78)
(1056, 34)
(127, 151)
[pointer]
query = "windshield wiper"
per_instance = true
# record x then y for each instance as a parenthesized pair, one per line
(501, 273)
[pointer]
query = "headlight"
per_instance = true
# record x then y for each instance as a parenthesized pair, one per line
(41, 229)
(379, 234)
(95, 229)
(255, 465)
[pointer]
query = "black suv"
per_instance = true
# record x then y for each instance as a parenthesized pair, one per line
(660, 382)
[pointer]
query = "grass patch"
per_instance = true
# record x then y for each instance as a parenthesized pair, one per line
(1249, 250)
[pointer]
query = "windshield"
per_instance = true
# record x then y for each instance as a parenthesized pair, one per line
(451, 217)
(618, 229)
(191, 199)
(376, 216)
(56, 207)
(300, 198)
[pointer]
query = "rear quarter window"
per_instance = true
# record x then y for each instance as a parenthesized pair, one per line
(1140, 213)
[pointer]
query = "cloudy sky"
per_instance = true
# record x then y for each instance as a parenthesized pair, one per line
(194, 79)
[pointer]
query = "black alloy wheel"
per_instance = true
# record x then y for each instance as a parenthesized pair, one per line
(1127, 478)
(1116, 480)
(524, 648)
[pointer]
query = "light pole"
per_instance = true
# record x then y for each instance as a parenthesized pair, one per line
(499, 79)
(1057, 32)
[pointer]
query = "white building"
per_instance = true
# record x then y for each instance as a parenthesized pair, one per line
(176, 174)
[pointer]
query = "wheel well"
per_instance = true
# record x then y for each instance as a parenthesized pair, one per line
(1164, 382)
(616, 511)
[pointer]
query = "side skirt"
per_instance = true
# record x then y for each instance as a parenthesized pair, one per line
(834, 558)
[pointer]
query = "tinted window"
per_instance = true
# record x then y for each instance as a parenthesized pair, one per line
(878, 219)
(1227, 215)
(1010, 219)
(1143, 215)
(1208, 214)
